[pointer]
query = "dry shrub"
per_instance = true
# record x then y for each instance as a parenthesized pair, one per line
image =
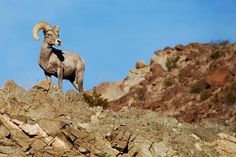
(95, 99)
(198, 86)
(171, 62)
(230, 94)
(204, 95)
(168, 82)
(216, 54)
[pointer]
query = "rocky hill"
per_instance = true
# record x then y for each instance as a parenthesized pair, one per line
(190, 83)
(181, 104)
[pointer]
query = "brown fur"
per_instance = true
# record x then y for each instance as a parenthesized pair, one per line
(61, 64)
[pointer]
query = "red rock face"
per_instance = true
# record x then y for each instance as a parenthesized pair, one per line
(111, 91)
(218, 77)
(168, 92)
(156, 69)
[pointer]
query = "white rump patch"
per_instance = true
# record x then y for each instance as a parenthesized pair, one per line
(82, 59)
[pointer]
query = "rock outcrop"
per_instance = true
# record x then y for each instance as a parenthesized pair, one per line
(190, 83)
(45, 122)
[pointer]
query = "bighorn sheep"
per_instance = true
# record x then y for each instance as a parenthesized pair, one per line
(61, 64)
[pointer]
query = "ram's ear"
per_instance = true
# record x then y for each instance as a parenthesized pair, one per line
(56, 29)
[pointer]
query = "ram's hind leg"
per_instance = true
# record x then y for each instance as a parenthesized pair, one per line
(80, 78)
(73, 81)
(77, 81)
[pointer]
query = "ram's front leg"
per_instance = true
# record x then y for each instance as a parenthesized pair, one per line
(60, 77)
(48, 77)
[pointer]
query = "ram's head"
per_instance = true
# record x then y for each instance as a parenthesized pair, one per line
(51, 34)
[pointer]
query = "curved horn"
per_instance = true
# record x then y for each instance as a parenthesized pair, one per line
(38, 27)
(56, 28)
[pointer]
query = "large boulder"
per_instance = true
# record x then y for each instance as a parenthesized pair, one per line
(218, 77)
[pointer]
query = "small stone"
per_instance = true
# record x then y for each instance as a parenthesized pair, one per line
(180, 47)
(69, 135)
(61, 143)
(38, 144)
(195, 136)
(226, 146)
(140, 64)
(31, 130)
(157, 52)
(83, 150)
(3, 132)
(160, 149)
(51, 126)
(198, 146)
(43, 85)
(228, 137)
(167, 48)
(94, 119)
(7, 149)
(17, 122)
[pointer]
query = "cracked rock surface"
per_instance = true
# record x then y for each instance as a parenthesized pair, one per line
(43, 122)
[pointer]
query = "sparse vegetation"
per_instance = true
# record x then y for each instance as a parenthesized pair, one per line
(220, 42)
(95, 99)
(171, 62)
(204, 95)
(224, 42)
(185, 73)
(141, 93)
(230, 95)
(168, 82)
(198, 86)
(216, 54)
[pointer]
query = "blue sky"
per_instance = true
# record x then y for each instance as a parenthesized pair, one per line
(111, 35)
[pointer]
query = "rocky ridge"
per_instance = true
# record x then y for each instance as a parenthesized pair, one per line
(44, 122)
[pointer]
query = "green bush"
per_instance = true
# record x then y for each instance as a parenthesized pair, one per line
(230, 95)
(198, 87)
(168, 82)
(216, 54)
(171, 62)
(204, 95)
(95, 99)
